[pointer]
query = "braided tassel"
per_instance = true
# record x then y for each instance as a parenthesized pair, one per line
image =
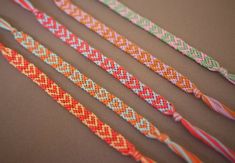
(214, 104)
(218, 107)
(27, 5)
(61, 32)
(102, 130)
(206, 138)
(209, 140)
(118, 106)
(168, 38)
(5, 25)
(134, 50)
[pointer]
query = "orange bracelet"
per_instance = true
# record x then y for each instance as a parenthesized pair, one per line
(102, 130)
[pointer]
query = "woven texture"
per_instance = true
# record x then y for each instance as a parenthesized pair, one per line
(168, 38)
(102, 130)
(101, 94)
(81, 46)
(142, 56)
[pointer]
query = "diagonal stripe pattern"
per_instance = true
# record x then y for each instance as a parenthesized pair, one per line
(89, 119)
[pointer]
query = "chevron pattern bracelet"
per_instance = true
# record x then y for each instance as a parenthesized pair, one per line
(142, 56)
(116, 70)
(102, 130)
(81, 46)
(101, 94)
(168, 38)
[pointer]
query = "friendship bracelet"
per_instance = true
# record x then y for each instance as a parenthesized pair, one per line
(101, 94)
(168, 38)
(102, 130)
(142, 56)
(83, 47)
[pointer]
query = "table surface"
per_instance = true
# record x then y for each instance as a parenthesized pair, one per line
(34, 128)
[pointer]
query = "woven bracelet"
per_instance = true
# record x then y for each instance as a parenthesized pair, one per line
(168, 38)
(142, 56)
(109, 65)
(102, 130)
(101, 94)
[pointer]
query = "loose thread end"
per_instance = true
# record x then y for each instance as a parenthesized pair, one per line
(218, 107)
(209, 140)
(182, 152)
(5, 25)
(27, 5)
(179, 150)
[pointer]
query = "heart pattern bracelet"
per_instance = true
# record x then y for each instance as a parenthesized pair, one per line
(89, 119)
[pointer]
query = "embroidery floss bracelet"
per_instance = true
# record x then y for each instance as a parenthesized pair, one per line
(101, 94)
(102, 130)
(135, 51)
(120, 73)
(81, 46)
(178, 44)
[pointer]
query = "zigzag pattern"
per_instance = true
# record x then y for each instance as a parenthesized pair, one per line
(168, 38)
(195, 131)
(127, 46)
(102, 130)
(162, 34)
(87, 84)
(143, 57)
(114, 103)
(107, 64)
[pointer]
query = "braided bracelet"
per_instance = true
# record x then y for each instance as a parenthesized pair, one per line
(101, 94)
(142, 56)
(168, 38)
(102, 130)
(122, 75)
(83, 47)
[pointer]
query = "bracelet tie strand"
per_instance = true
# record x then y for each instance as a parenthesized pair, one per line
(89, 119)
(175, 42)
(84, 48)
(142, 56)
(101, 94)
